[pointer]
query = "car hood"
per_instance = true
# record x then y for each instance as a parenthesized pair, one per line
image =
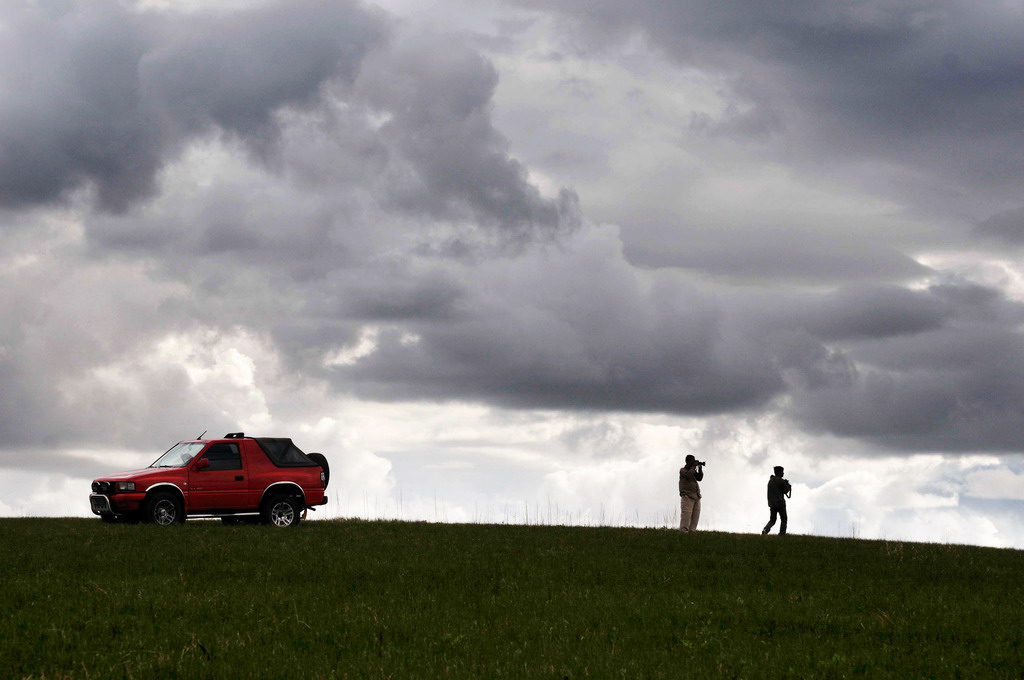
(137, 475)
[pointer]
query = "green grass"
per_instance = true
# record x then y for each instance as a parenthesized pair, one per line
(79, 598)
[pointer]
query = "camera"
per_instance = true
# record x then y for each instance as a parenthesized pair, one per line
(699, 462)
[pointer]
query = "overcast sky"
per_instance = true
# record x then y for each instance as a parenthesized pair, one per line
(511, 261)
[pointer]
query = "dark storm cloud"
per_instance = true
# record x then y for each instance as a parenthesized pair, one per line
(954, 390)
(585, 334)
(875, 312)
(782, 253)
(936, 369)
(1007, 227)
(438, 103)
(236, 70)
(940, 368)
(398, 294)
(933, 87)
(408, 138)
(98, 95)
(70, 107)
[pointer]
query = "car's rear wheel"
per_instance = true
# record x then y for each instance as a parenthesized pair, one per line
(163, 508)
(281, 511)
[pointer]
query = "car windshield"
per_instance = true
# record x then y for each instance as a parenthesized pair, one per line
(179, 455)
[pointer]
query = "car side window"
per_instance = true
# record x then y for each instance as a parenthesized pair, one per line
(223, 457)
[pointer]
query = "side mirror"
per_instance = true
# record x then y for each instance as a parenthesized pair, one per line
(203, 463)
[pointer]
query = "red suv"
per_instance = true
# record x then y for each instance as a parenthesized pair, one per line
(237, 478)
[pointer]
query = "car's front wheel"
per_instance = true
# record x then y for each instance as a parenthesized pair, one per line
(163, 508)
(281, 511)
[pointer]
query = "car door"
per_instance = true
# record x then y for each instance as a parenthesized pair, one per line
(217, 479)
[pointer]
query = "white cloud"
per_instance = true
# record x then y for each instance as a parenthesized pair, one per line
(995, 483)
(363, 347)
(37, 494)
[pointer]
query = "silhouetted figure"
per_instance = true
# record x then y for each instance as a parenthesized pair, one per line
(778, 490)
(689, 493)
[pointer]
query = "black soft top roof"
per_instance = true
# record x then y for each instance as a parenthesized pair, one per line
(283, 453)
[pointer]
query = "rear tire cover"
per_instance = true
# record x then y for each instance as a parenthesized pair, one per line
(321, 460)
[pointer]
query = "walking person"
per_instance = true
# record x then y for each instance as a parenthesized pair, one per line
(778, 491)
(689, 493)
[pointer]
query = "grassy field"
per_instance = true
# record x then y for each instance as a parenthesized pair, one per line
(79, 598)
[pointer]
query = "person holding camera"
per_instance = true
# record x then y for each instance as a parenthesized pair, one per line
(778, 491)
(689, 493)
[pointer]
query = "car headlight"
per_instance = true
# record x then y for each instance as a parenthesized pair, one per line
(124, 486)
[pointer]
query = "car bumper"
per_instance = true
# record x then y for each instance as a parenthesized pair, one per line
(121, 504)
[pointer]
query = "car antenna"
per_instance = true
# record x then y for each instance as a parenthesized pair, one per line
(201, 436)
